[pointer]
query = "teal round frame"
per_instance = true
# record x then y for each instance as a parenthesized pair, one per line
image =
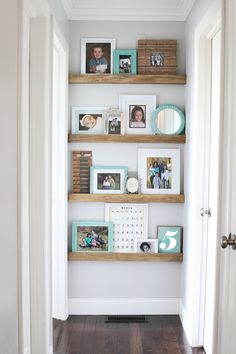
(161, 108)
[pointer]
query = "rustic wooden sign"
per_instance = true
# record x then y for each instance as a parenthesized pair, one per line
(157, 56)
(81, 162)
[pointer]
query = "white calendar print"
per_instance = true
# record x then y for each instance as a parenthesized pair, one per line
(130, 222)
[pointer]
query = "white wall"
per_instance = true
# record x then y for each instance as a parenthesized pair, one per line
(8, 176)
(119, 280)
(203, 11)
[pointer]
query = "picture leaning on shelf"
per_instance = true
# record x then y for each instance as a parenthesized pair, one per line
(170, 239)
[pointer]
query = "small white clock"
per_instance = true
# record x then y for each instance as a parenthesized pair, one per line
(132, 185)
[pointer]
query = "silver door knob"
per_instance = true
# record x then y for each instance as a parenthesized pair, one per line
(228, 241)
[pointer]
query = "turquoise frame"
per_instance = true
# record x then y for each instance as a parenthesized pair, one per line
(94, 224)
(132, 53)
(169, 239)
(105, 169)
(161, 108)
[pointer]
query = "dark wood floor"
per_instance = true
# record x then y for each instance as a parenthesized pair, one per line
(92, 335)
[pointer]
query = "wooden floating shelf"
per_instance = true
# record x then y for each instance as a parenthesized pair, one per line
(127, 198)
(105, 138)
(127, 79)
(138, 257)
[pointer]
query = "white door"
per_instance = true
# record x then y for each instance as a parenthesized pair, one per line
(227, 280)
(213, 187)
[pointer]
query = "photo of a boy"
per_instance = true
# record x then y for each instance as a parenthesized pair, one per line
(98, 58)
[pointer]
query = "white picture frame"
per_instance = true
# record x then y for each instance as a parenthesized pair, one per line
(159, 171)
(107, 46)
(146, 246)
(79, 115)
(130, 222)
(138, 110)
(108, 179)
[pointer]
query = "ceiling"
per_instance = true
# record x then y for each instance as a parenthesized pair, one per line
(128, 10)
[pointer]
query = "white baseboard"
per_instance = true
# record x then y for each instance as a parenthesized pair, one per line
(124, 306)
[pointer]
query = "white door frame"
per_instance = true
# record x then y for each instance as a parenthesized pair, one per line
(59, 176)
(35, 321)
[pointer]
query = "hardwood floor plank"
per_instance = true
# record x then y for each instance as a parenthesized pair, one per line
(92, 335)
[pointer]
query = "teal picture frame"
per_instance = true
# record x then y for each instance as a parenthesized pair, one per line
(108, 179)
(169, 239)
(125, 61)
(91, 236)
(176, 130)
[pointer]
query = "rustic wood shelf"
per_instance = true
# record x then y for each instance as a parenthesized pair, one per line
(127, 79)
(105, 138)
(138, 257)
(127, 198)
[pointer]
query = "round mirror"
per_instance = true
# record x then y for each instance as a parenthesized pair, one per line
(167, 119)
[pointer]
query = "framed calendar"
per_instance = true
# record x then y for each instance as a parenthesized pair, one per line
(130, 222)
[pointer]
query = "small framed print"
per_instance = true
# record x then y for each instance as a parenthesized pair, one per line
(125, 61)
(91, 236)
(130, 222)
(97, 55)
(87, 120)
(169, 239)
(108, 179)
(138, 110)
(113, 121)
(159, 171)
(146, 245)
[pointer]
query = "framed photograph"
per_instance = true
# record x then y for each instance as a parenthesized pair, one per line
(113, 121)
(138, 110)
(87, 120)
(159, 170)
(97, 55)
(130, 222)
(169, 239)
(125, 61)
(147, 245)
(108, 179)
(91, 236)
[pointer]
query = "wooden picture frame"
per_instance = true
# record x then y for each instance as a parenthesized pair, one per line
(97, 55)
(125, 61)
(159, 171)
(91, 236)
(108, 179)
(169, 239)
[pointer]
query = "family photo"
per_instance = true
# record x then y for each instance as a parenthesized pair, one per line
(108, 181)
(92, 238)
(159, 174)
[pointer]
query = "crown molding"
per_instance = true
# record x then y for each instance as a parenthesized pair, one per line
(177, 10)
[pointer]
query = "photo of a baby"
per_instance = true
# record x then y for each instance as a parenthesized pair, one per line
(87, 120)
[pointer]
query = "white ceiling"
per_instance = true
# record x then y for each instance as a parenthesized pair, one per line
(129, 10)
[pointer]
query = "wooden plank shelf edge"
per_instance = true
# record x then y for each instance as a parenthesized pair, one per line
(105, 138)
(127, 198)
(127, 79)
(138, 257)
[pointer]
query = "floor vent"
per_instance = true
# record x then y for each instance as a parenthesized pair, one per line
(126, 319)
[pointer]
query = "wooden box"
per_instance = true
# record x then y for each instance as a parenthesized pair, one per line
(81, 162)
(157, 56)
